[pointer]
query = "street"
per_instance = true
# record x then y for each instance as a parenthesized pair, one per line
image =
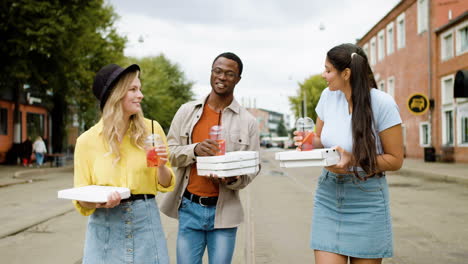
(429, 219)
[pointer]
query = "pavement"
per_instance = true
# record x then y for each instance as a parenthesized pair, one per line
(455, 173)
(436, 171)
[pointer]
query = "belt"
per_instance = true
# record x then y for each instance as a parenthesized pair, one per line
(134, 197)
(203, 201)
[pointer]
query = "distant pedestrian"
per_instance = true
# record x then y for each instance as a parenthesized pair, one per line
(208, 208)
(26, 152)
(112, 153)
(39, 149)
(351, 218)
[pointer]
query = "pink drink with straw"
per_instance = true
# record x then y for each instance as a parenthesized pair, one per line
(305, 128)
(153, 143)
(152, 158)
(216, 133)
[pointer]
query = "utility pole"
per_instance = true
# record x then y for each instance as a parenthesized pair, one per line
(304, 104)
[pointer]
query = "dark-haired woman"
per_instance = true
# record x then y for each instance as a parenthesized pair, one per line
(351, 211)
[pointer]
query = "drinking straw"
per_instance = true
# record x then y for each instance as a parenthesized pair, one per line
(152, 131)
(305, 139)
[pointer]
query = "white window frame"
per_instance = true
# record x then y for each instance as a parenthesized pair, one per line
(458, 38)
(443, 55)
(423, 15)
(445, 141)
(391, 86)
(366, 49)
(443, 99)
(390, 38)
(373, 51)
(421, 134)
(382, 85)
(460, 117)
(401, 31)
(381, 45)
(446, 107)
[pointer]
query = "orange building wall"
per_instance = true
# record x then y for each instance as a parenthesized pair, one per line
(6, 141)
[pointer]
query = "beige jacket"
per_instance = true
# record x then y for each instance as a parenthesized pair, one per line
(241, 133)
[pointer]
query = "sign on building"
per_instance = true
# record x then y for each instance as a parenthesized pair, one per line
(418, 104)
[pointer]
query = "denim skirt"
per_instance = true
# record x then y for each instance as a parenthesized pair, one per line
(128, 233)
(352, 217)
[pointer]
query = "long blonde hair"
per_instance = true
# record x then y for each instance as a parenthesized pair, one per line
(113, 114)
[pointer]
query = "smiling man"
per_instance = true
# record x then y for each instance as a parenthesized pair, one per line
(209, 209)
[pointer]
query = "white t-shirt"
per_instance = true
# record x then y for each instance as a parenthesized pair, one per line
(39, 146)
(332, 109)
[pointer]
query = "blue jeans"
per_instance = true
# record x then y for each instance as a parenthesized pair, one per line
(39, 158)
(196, 232)
(128, 233)
(352, 217)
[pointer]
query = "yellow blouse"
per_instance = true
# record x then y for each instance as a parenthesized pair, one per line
(93, 166)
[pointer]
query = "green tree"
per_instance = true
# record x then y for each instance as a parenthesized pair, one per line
(57, 47)
(312, 88)
(281, 130)
(164, 86)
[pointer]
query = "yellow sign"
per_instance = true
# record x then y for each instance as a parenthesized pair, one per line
(418, 104)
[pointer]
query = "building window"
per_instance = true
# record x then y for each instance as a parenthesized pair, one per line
(401, 31)
(424, 134)
(462, 38)
(447, 123)
(3, 121)
(464, 130)
(447, 110)
(446, 50)
(391, 86)
(382, 85)
(366, 50)
(390, 38)
(447, 90)
(35, 124)
(381, 45)
(373, 51)
(423, 15)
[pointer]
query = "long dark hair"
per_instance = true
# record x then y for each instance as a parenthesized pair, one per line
(362, 122)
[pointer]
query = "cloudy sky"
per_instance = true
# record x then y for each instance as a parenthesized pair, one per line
(279, 41)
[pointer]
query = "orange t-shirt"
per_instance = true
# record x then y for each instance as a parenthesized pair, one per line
(202, 185)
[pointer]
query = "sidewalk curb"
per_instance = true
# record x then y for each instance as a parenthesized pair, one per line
(434, 176)
(42, 171)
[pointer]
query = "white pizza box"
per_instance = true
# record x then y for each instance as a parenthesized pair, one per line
(229, 173)
(314, 154)
(316, 157)
(229, 157)
(92, 193)
(310, 163)
(228, 165)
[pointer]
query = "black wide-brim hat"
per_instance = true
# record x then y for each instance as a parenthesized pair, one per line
(107, 77)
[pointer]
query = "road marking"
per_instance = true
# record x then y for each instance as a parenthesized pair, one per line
(249, 247)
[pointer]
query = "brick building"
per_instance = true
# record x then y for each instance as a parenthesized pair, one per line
(268, 121)
(418, 48)
(34, 121)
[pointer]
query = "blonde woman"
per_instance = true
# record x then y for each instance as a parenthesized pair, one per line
(39, 149)
(112, 153)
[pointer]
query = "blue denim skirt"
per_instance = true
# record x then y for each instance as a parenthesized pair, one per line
(352, 217)
(128, 233)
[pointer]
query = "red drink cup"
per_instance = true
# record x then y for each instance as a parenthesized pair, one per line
(221, 146)
(152, 158)
(307, 140)
(216, 133)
